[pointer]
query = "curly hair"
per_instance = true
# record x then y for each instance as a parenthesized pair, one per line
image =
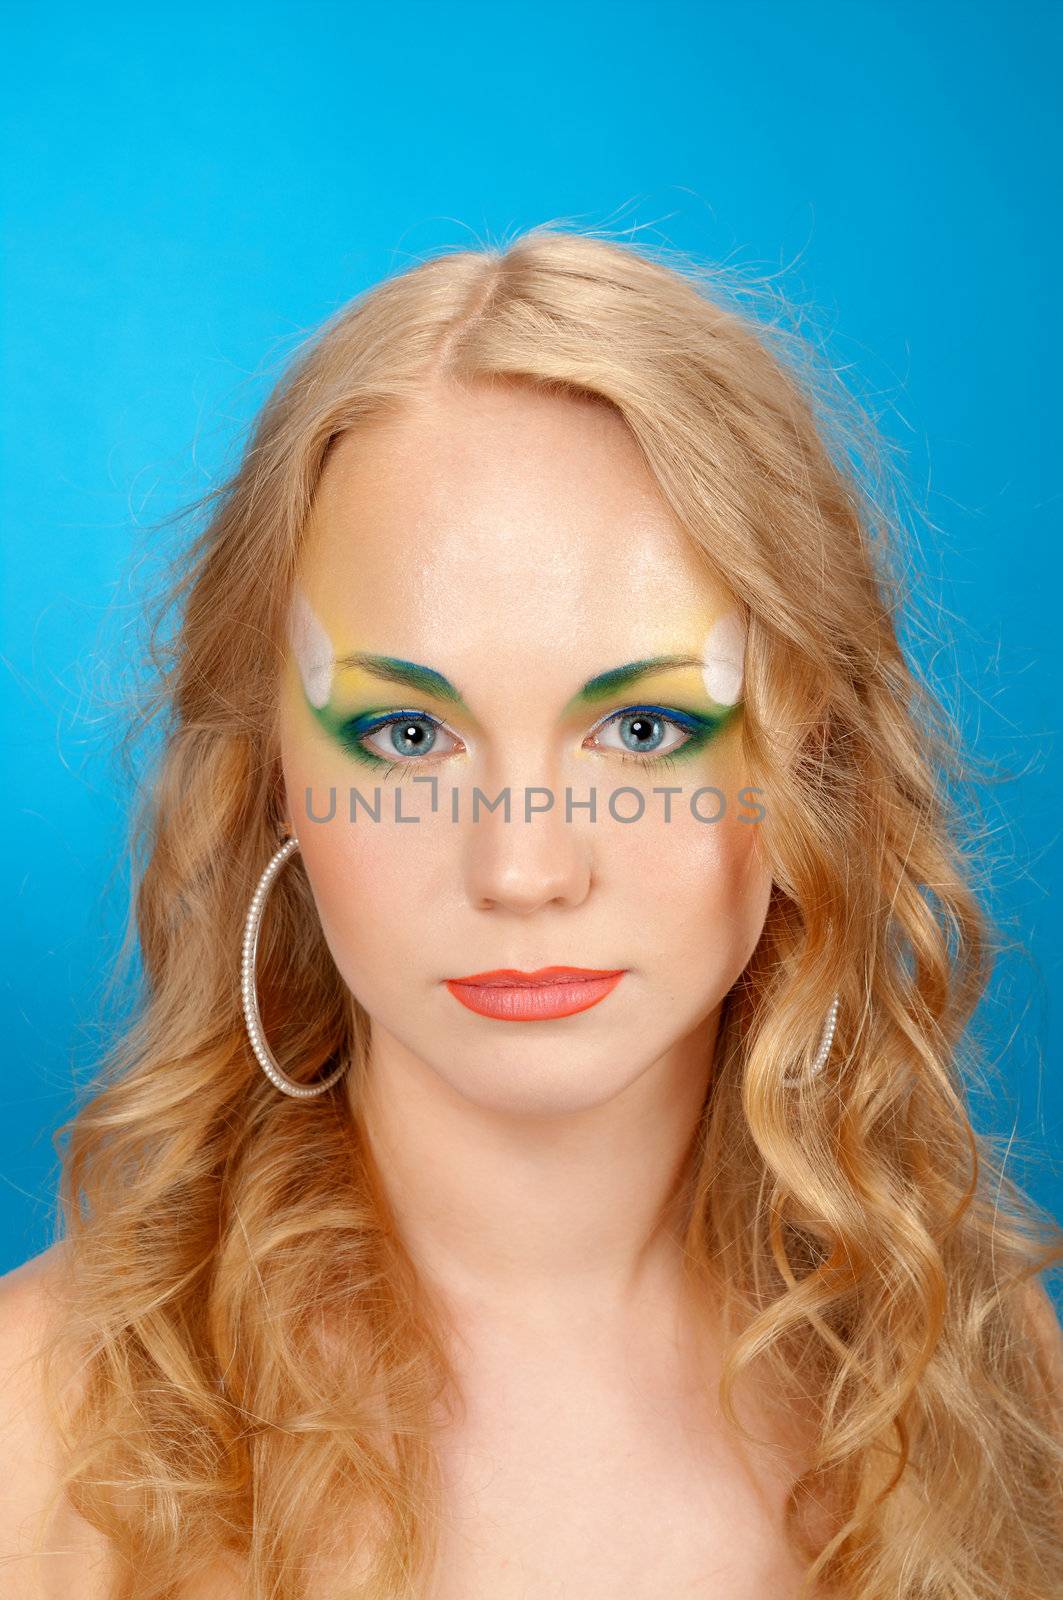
(223, 1242)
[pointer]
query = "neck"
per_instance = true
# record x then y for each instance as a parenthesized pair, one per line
(537, 1214)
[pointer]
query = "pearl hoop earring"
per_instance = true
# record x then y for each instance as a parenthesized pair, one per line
(825, 1042)
(306, 1091)
(266, 1059)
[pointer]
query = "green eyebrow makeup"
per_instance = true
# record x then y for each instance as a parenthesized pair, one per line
(607, 684)
(350, 730)
(392, 668)
(428, 681)
(319, 670)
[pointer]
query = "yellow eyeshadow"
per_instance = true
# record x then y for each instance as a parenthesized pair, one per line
(677, 684)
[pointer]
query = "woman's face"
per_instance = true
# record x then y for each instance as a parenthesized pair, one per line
(472, 579)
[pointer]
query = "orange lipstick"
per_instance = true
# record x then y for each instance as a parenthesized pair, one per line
(514, 996)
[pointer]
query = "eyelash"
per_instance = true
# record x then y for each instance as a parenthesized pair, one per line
(660, 763)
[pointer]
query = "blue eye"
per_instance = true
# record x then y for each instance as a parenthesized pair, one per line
(400, 736)
(643, 733)
(651, 732)
(410, 737)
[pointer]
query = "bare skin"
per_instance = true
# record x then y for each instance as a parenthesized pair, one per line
(589, 1460)
(517, 544)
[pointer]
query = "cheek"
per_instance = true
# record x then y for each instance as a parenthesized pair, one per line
(375, 896)
(702, 885)
(740, 879)
(371, 888)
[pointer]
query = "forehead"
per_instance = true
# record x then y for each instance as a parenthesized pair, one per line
(497, 524)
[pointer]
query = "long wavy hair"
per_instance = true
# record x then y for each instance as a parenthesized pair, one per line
(259, 1373)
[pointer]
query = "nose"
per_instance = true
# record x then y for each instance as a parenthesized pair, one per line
(522, 865)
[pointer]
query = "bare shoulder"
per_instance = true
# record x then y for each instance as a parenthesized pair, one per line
(48, 1554)
(41, 1558)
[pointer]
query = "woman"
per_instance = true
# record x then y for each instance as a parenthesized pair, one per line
(541, 1162)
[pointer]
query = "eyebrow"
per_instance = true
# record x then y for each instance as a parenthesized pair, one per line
(608, 683)
(395, 670)
(428, 681)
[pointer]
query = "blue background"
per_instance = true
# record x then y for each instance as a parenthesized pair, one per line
(189, 192)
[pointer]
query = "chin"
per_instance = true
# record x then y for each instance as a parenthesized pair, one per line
(545, 1076)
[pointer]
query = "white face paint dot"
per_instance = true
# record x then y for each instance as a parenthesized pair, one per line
(312, 649)
(723, 659)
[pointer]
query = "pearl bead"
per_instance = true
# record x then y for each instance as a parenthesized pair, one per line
(249, 997)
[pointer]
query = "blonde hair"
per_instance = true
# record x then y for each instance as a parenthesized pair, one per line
(226, 1242)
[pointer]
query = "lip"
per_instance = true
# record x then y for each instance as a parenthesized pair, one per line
(510, 995)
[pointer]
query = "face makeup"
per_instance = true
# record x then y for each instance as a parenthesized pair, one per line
(473, 573)
(510, 995)
(311, 648)
(649, 732)
(653, 726)
(724, 659)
